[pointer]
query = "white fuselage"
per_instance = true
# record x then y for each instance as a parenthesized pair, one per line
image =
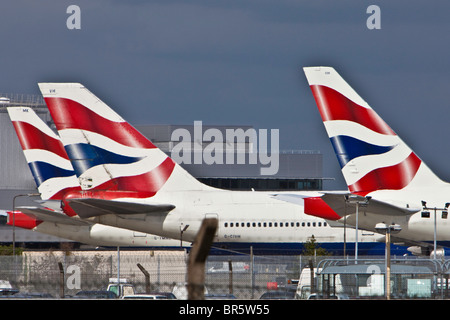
(244, 217)
(107, 236)
(413, 227)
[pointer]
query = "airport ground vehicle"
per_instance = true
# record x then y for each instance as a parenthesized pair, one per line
(120, 287)
(141, 296)
(95, 294)
(6, 289)
(278, 295)
(180, 291)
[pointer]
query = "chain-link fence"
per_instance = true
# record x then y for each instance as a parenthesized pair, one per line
(64, 274)
(374, 278)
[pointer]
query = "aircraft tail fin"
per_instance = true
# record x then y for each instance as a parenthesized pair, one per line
(45, 154)
(105, 149)
(371, 155)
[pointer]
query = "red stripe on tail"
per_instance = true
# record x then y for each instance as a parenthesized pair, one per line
(395, 177)
(31, 137)
(334, 106)
(68, 114)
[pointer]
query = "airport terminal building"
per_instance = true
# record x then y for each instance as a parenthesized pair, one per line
(213, 162)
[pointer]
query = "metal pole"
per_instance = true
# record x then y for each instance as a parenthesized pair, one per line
(435, 242)
(14, 222)
(444, 211)
(356, 235)
(345, 231)
(312, 283)
(14, 228)
(61, 280)
(14, 225)
(387, 230)
(388, 263)
(230, 277)
(118, 272)
(251, 271)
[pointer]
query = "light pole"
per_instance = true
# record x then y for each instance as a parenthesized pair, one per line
(358, 200)
(14, 217)
(388, 230)
(426, 214)
(14, 227)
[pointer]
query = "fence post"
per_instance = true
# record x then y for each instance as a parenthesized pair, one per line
(252, 271)
(230, 272)
(197, 257)
(61, 280)
(147, 278)
(311, 270)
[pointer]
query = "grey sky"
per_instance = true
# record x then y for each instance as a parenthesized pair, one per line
(239, 62)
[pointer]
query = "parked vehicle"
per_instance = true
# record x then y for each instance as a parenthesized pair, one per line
(339, 296)
(33, 295)
(180, 291)
(219, 296)
(6, 288)
(120, 287)
(140, 296)
(168, 295)
(278, 295)
(95, 294)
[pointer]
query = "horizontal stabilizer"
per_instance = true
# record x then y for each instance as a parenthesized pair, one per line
(51, 216)
(344, 204)
(313, 205)
(51, 204)
(291, 198)
(87, 208)
(335, 205)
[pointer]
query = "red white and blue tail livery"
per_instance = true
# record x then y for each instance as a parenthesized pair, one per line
(372, 156)
(129, 183)
(112, 159)
(376, 163)
(55, 177)
(45, 154)
(107, 152)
